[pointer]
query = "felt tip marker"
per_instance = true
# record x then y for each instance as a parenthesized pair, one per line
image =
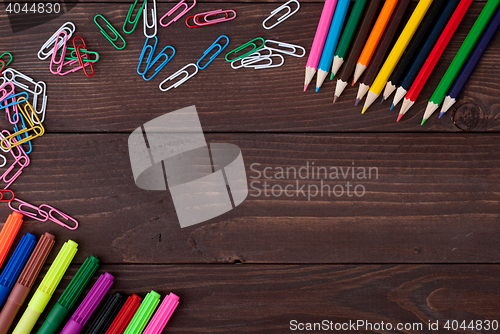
(161, 317)
(46, 289)
(125, 315)
(25, 281)
(144, 313)
(8, 234)
(69, 297)
(107, 314)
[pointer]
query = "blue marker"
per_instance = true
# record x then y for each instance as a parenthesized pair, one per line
(332, 40)
(15, 265)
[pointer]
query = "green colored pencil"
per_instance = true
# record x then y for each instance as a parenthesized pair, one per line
(348, 34)
(461, 57)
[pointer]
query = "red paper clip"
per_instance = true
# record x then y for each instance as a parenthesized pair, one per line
(201, 19)
(79, 56)
(5, 191)
(3, 66)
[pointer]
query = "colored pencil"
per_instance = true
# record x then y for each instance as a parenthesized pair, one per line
(319, 40)
(461, 57)
(412, 49)
(396, 52)
(434, 56)
(377, 32)
(382, 48)
(356, 47)
(471, 63)
(348, 35)
(332, 40)
(424, 52)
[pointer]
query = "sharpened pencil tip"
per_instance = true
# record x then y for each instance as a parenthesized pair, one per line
(383, 99)
(317, 89)
(364, 109)
(332, 76)
(423, 121)
(335, 98)
(399, 117)
(392, 107)
(305, 87)
(357, 102)
(441, 114)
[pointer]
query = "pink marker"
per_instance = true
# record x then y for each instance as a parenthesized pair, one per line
(319, 40)
(163, 314)
(89, 304)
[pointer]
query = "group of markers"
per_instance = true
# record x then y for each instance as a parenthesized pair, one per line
(118, 315)
(359, 48)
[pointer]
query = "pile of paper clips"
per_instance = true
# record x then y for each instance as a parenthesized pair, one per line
(78, 53)
(268, 54)
(27, 118)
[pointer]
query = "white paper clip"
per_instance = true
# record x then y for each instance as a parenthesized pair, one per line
(252, 58)
(282, 18)
(69, 27)
(145, 19)
(269, 61)
(286, 48)
(176, 74)
(40, 88)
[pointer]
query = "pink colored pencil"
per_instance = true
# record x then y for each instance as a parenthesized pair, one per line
(319, 40)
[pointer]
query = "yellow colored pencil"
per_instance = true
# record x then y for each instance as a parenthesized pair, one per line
(396, 52)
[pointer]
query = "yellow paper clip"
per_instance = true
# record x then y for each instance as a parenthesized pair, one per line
(37, 129)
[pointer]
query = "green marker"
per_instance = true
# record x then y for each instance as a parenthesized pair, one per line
(46, 289)
(348, 34)
(69, 297)
(461, 57)
(143, 314)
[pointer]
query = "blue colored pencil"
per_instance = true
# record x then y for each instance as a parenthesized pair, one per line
(424, 51)
(471, 63)
(332, 40)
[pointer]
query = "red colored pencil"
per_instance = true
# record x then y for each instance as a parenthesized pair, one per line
(435, 55)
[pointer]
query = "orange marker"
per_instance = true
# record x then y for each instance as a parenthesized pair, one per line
(8, 234)
(374, 38)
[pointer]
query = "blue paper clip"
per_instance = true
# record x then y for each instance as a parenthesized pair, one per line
(210, 48)
(150, 56)
(157, 58)
(16, 101)
(16, 129)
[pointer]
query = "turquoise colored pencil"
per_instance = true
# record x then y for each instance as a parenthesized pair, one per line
(332, 40)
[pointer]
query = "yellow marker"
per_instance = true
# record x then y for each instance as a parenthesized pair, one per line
(396, 52)
(37, 128)
(46, 289)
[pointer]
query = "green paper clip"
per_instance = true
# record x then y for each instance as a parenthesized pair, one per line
(72, 55)
(136, 19)
(112, 29)
(7, 53)
(247, 44)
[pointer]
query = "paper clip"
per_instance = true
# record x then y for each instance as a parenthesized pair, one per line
(292, 48)
(54, 52)
(72, 55)
(112, 29)
(4, 160)
(74, 69)
(157, 58)
(10, 60)
(177, 6)
(252, 58)
(37, 129)
(10, 118)
(178, 73)
(6, 191)
(14, 101)
(129, 16)
(282, 18)
(6, 94)
(38, 213)
(206, 15)
(3, 66)
(34, 215)
(152, 49)
(269, 64)
(17, 160)
(242, 47)
(18, 137)
(69, 27)
(210, 48)
(79, 56)
(145, 19)
(60, 213)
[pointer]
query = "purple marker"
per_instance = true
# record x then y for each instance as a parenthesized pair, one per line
(89, 304)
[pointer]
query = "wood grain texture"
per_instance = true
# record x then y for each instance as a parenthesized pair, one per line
(436, 199)
(264, 299)
(246, 100)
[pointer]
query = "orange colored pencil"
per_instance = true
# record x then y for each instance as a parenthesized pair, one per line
(374, 38)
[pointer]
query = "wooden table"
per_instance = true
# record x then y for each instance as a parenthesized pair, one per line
(421, 244)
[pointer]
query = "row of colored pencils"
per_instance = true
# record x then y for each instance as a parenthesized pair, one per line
(364, 48)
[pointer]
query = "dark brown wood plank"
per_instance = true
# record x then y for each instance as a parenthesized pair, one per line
(117, 99)
(265, 298)
(436, 199)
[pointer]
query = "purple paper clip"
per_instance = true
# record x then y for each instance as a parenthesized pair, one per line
(170, 12)
(60, 62)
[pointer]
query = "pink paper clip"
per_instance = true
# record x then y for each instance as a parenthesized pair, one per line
(206, 15)
(33, 215)
(12, 120)
(5, 93)
(60, 213)
(72, 62)
(43, 215)
(54, 53)
(18, 160)
(170, 12)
